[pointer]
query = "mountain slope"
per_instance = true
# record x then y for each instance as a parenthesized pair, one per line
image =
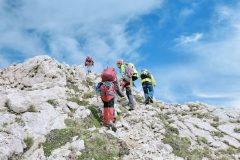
(49, 110)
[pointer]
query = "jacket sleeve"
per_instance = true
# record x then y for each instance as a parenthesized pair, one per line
(122, 71)
(153, 80)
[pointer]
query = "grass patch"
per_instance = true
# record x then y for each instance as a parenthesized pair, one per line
(53, 102)
(180, 145)
(100, 147)
(31, 108)
(215, 125)
(89, 81)
(71, 85)
(97, 146)
(29, 142)
(217, 134)
(95, 112)
(78, 101)
(184, 113)
(182, 148)
(203, 115)
(202, 140)
(56, 138)
(226, 154)
(20, 121)
(89, 95)
(216, 119)
(171, 130)
(237, 130)
(198, 154)
(193, 106)
(235, 121)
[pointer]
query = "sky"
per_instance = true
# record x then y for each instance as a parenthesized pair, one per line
(192, 47)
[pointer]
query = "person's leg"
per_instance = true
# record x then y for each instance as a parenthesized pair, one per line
(150, 91)
(145, 90)
(130, 98)
(108, 113)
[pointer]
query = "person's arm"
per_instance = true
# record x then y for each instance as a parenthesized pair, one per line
(153, 80)
(122, 70)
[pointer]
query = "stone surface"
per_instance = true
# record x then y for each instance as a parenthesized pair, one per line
(54, 91)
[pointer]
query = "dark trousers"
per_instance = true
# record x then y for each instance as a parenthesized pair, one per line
(108, 104)
(148, 90)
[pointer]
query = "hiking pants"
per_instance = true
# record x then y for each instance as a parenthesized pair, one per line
(108, 112)
(130, 97)
(148, 90)
(89, 69)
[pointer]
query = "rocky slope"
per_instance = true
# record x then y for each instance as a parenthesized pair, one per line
(49, 110)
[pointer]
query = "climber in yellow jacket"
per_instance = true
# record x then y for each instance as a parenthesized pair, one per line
(148, 82)
(128, 75)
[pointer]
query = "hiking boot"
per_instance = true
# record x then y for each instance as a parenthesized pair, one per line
(112, 126)
(131, 109)
(147, 101)
(151, 99)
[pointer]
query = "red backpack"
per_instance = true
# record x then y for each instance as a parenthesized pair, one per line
(89, 61)
(109, 74)
(128, 70)
(107, 90)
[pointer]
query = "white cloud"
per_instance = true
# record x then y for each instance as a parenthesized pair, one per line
(71, 29)
(186, 12)
(213, 73)
(184, 40)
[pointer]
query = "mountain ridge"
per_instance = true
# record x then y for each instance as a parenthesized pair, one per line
(48, 110)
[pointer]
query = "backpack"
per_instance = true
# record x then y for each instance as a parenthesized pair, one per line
(89, 61)
(145, 74)
(109, 74)
(106, 90)
(131, 71)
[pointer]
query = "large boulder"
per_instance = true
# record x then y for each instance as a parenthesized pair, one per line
(9, 144)
(41, 123)
(18, 103)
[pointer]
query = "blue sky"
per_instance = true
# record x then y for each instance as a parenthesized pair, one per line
(192, 47)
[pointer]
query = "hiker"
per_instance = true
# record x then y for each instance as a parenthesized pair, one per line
(89, 63)
(128, 75)
(107, 88)
(148, 82)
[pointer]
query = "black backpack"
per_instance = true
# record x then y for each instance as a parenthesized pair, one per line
(145, 74)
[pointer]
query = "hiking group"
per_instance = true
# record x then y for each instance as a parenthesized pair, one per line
(110, 85)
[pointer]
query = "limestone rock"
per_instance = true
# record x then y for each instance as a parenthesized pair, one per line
(18, 103)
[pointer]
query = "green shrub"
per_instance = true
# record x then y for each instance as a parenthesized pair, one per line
(88, 95)
(215, 124)
(237, 130)
(216, 119)
(53, 102)
(180, 145)
(217, 134)
(78, 101)
(31, 108)
(95, 113)
(202, 140)
(171, 130)
(71, 85)
(57, 138)
(29, 142)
